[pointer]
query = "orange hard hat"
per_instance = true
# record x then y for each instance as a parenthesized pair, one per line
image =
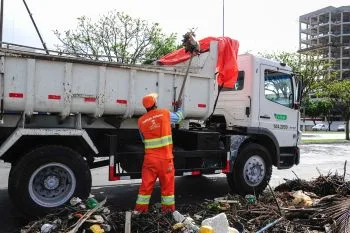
(149, 100)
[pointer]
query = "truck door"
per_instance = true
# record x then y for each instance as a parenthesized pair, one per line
(276, 111)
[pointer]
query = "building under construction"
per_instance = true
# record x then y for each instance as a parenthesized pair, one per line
(326, 32)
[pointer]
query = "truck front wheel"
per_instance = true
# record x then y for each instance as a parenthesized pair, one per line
(252, 170)
(46, 178)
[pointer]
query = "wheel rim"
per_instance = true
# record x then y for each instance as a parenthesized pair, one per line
(254, 170)
(52, 185)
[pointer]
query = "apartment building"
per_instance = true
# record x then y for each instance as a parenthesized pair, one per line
(327, 33)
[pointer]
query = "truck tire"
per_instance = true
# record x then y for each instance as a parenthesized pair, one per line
(252, 170)
(47, 178)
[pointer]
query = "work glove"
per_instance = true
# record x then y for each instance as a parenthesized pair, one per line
(178, 104)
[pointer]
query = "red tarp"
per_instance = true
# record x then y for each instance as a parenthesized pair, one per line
(226, 66)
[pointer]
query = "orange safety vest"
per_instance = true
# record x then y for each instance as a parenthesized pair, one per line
(156, 131)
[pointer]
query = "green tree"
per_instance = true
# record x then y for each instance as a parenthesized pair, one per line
(339, 92)
(116, 37)
(160, 47)
(326, 106)
(311, 109)
(310, 67)
(316, 108)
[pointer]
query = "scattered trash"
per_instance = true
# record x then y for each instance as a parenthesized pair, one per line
(106, 211)
(187, 221)
(106, 227)
(301, 199)
(73, 218)
(75, 200)
(47, 228)
(86, 216)
(178, 226)
(251, 199)
(206, 229)
(269, 225)
(96, 229)
(219, 223)
(91, 203)
(96, 219)
(78, 215)
(321, 205)
(225, 200)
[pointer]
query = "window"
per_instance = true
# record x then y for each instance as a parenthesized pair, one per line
(279, 88)
(239, 83)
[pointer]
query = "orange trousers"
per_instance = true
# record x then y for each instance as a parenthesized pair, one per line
(152, 169)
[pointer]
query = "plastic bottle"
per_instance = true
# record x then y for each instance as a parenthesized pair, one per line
(187, 221)
(96, 229)
(47, 228)
(75, 201)
(219, 223)
(91, 202)
(251, 199)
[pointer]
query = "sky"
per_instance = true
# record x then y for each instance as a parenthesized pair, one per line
(259, 25)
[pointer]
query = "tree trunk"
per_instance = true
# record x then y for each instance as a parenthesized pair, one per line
(329, 125)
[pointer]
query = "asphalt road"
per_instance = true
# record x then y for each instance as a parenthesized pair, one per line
(122, 194)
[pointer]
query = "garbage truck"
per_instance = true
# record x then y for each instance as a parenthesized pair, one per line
(61, 116)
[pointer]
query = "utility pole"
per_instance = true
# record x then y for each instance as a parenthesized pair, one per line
(223, 17)
(1, 20)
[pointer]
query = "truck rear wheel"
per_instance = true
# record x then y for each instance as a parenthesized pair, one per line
(47, 178)
(252, 170)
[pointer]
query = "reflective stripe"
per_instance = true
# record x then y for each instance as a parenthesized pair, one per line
(168, 200)
(143, 199)
(158, 142)
(180, 115)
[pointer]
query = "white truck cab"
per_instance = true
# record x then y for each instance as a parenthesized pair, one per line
(263, 101)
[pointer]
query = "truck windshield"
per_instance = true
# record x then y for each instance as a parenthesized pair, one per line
(279, 88)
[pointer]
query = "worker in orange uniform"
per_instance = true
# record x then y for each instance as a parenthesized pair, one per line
(155, 130)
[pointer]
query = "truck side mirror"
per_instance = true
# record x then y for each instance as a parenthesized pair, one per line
(299, 90)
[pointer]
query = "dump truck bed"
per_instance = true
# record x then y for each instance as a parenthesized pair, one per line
(39, 83)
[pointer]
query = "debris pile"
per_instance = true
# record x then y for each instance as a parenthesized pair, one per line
(79, 216)
(319, 205)
(322, 185)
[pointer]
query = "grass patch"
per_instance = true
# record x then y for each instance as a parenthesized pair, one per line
(323, 141)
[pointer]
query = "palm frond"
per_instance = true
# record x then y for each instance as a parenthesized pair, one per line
(340, 213)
